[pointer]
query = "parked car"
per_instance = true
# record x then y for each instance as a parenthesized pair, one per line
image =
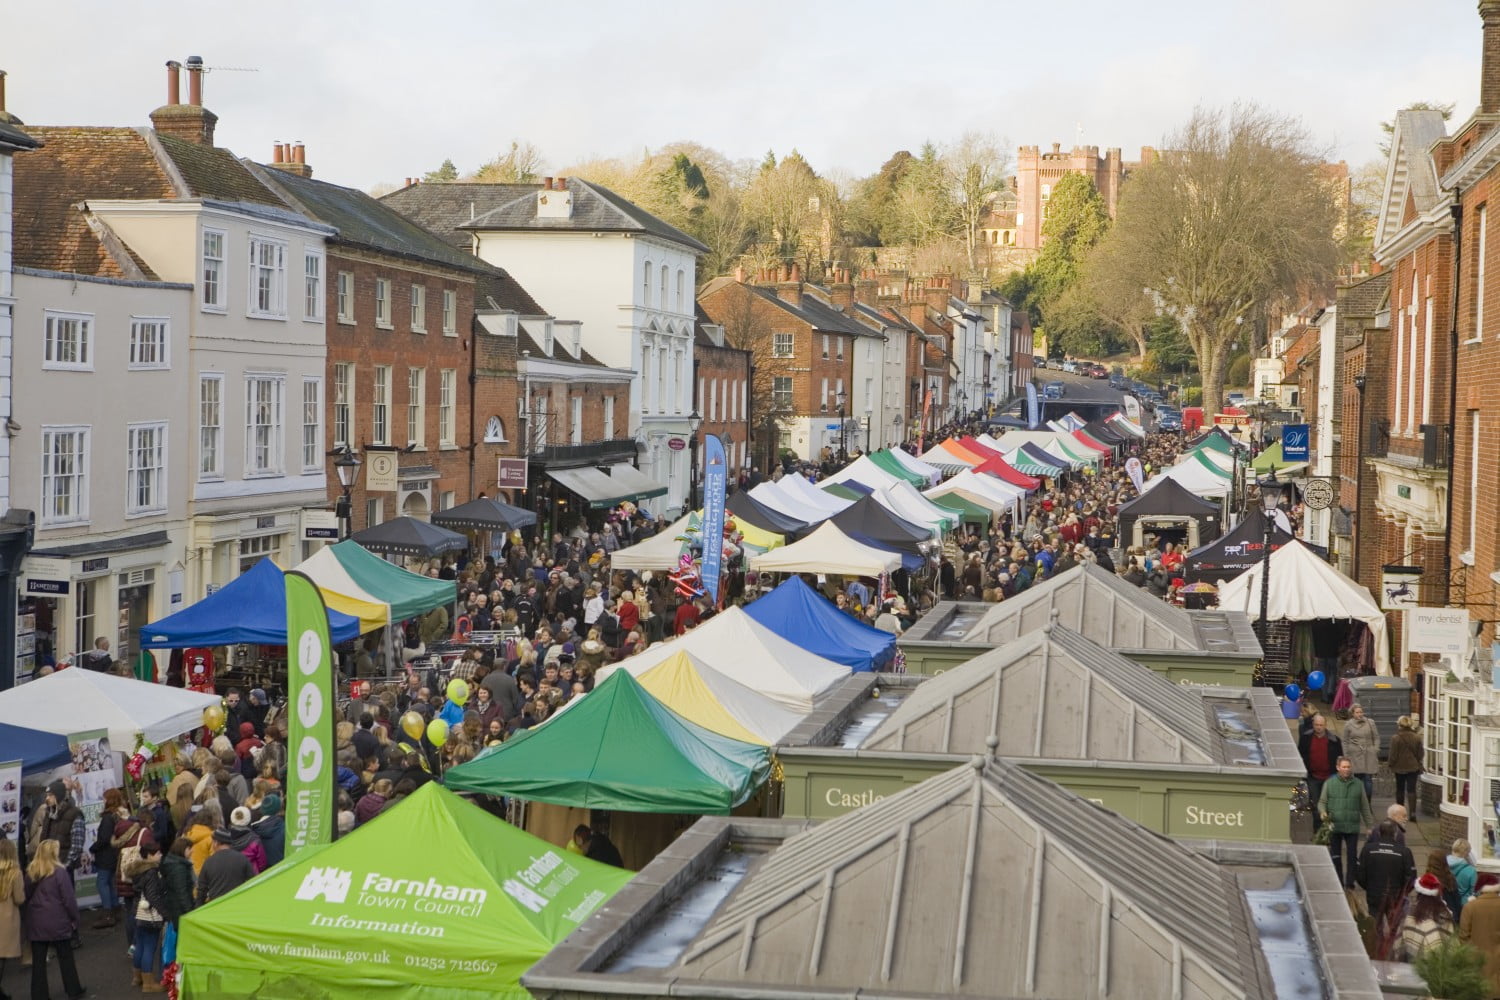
(1053, 390)
(1099, 371)
(1037, 361)
(1071, 367)
(1235, 399)
(1168, 418)
(1119, 382)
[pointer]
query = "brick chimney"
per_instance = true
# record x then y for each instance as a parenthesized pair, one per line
(867, 289)
(291, 158)
(789, 284)
(1489, 71)
(190, 122)
(841, 290)
(937, 293)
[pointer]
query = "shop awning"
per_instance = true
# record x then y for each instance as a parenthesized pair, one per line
(350, 577)
(250, 609)
(598, 490)
(484, 514)
(631, 478)
(620, 748)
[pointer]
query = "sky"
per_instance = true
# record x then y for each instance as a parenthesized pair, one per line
(379, 90)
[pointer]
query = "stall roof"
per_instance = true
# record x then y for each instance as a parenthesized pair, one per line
(76, 700)
(407, 595)
(976, 883)
(828, 550)
(1171, 497)
(798, 487)
(1197, 474)
(1053, 693)
(913, 464)
(1097, 604)
(796, 612)
(886, 460)
(1273, 458)
(1232, 553)
(720, 704)
(866, 518)
(36, 749)
(619, 748)
(659, 552)
(410, 536)
(863, 470)
(745, 507)
(905, 502)
(248, 609)
(485, 514)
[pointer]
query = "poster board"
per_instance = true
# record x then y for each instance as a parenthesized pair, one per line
(94, 771)
(10, 800)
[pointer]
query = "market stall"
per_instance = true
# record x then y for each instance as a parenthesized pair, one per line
(1169, 511)
(379, 593)
(747, 509)
(78, 700)
(1229, 555)
(435, 899)
(248, 609)
(913, 470)
(704, 696)
(828, 550)
(800, 614)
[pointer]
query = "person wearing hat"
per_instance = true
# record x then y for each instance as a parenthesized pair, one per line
(270, 828)
(244, 840)
(225, 870)
(1480, 926)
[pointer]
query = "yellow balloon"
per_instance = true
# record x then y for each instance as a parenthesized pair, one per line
(437, 732)
(458, 690)
(213, 717)
(413, 725)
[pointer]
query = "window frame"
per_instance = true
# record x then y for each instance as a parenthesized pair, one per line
(157, 500)
(416, 407)
(344, 297)
(380, 405)
(782, 398)
(275, 465)
(343, 399)
(312, 446)
(164, 348)
(776, 345)
(220, 300)
(575, 417)
(450, 312)
(418, 303)
(83, 347)
(609, 418)
(216, 472)
(447, 408)
(80, 477)
(383, 304)
(277, 270)
(313, 305)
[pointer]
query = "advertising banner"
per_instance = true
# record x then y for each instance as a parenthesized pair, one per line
(1437, 630)
(1136, 472)
(715, 480)
(94, 773)
(1033, 407)
(310, 802)
(10, 800)
(1294, 442)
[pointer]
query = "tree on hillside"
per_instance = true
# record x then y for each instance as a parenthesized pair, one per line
(521, 164)
(787, 203)
(871, 217)
(1114, 295)
(1236, 214)
(1076, 219)
(923, 211)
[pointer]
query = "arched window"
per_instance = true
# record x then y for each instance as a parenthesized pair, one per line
(681, 288)
(646, 284)
(661, 303)
(494, 431)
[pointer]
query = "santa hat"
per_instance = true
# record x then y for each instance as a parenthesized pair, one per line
(1428, 885)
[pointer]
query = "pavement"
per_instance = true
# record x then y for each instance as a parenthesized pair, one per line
(103, 966)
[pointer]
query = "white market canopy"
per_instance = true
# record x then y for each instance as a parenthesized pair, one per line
(905, 502)
(913, 464)
(1305, 588)
(993, 493)
(76, 700)
(797, 487)
(862, 470)
(660, 552)
(740, 648)
(1196, 475)
(828, 550)
(707, 697)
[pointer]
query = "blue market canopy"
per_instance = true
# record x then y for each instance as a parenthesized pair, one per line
(251, 609)
(35, 749)
(802, 616)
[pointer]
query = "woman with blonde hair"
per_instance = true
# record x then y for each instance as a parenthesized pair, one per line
(51, 920)
(1405, 760)
(12, 896)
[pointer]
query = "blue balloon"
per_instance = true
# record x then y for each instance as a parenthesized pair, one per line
(1316, 680)
(1291, 692)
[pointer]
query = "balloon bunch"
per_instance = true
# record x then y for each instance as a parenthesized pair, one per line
(214, 718)
(685, 579)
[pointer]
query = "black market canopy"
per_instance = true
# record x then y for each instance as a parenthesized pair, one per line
(750, 510)
(867, 520)
(484, 514)
(1170, 501)
(1228, 556)
(407, 536)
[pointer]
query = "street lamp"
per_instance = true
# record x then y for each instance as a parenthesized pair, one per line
(842, 398)
(869, 415)
(695, 421)
(346, 464)
(1270, 499)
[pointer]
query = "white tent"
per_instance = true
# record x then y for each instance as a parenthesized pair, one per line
(797, 487)
(748, 653)
(827, 550)
(913, 464)
(997, 494)
(1121, 422)
(768, 494)
(76, 700)
(905, 502)
(699, 693)
(1200, 478)
(862, 470)
(1305, 588)
(1052, 442)
(661, 551)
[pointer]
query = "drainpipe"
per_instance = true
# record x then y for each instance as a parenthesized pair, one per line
(1458, 229)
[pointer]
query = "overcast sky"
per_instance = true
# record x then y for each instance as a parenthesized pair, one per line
(379, 90)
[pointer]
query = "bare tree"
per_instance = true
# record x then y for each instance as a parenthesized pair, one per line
(975, 167)
(1236, 214)
(747, 324)
(1112, 292)
(521, 164)
(790, 207)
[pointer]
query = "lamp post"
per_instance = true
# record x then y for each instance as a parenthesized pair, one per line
(869, 417)
(346, 465)
(1270, 500)
(842, 398)
(695, 421)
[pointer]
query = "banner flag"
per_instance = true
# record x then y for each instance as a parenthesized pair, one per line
(310, 801)
(1137, 474)
(1033, 407)
(715, 480)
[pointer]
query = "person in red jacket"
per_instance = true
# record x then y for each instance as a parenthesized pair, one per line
(688, 614)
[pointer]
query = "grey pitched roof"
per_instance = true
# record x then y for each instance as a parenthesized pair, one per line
(1410, 168)
(12, 138)
(364, 222)
(443, 206)
(1053, 694)
(983, 881)
(1094, 603)
(596, 209)
(812, 311)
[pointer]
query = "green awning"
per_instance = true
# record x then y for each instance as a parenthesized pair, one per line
(840, 490)
(1215, 442)
(434, 899)
(969, 513)
(1212, 466)
(599, 490)
(1022, 462)
(1074, 451)
(885, 460)
(620, 748)
(350, 570)
(1266, 459)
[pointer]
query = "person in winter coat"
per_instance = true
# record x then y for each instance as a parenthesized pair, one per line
(12, 896)
(244, 840)
(200, 833)
(1405, 759)
(1342, 802)
(177, 881)
(130, 832)
(106, 857)
(1464, 873)
(51, 920)
(1386, 868)
(1320, 750)
(1362, 747)
(1428, 922)
(150, 916)
(65, 824)
(271, 829)
(370, 804)
(1480, 927)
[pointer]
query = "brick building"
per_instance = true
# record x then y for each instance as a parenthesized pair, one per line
(399, 312)
(1361, 309)
(1037, 173)
(721, 396)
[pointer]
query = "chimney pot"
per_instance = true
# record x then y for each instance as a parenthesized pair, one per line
(546, 184)
(299, 153)
(739, 274)
(174, 82)
(560, 183)
(195, 81)
(796, 274)
(276, 153)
